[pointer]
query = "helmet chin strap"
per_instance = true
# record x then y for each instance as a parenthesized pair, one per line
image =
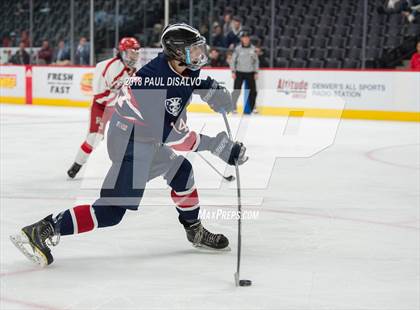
(187, 63)
(190, 66)
(176, 64)
(182, 64)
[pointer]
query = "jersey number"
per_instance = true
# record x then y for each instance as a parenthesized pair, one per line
(182, 127)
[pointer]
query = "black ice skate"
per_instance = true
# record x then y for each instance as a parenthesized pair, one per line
(32, 241)
(202, 238)
(74, 169)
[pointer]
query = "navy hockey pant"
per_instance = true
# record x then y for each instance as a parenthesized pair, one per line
(134, 163)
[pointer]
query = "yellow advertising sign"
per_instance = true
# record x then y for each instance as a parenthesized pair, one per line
(86, 83)
(8, 81)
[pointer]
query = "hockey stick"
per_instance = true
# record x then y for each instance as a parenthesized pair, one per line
(238, 281)
(229, 178)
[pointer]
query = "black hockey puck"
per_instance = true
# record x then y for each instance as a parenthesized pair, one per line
(245, 282)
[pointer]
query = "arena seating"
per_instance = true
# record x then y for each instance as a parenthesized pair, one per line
(323, 33)
(316, 34)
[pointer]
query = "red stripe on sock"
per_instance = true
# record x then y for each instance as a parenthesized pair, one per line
(84, 218)
(86, 147)
(185, 201)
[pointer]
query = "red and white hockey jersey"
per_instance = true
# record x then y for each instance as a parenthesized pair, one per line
(109, 76)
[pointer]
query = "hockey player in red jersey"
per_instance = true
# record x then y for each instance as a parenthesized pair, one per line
(149, 123)
(108, 79)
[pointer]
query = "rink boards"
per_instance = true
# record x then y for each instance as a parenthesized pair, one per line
(368, 94)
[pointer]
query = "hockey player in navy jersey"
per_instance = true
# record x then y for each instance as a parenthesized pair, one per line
(149, 123)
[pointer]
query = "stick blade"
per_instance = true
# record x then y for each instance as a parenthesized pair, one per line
(230, 178)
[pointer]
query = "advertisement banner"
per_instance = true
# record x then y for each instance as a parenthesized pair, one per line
(388, 95)
(362, 90)
(392, 95)
(12, 84)
(68, 86)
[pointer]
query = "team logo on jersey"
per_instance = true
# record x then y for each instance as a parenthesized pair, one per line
(173, 105)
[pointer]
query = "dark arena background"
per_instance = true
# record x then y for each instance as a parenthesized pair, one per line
(321, 210)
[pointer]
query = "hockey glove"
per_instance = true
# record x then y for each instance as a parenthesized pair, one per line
(228, 150)
(218, 98)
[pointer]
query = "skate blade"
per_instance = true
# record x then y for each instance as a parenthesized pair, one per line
(69, 178)
(205, 248)
(23, 244)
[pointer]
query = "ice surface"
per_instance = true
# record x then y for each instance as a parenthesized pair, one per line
(337, 230)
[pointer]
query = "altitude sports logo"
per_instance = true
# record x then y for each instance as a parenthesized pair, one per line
(297, 89)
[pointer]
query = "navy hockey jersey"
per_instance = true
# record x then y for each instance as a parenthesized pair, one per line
(155, 102)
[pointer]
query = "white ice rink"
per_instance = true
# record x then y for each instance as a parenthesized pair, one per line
(337, 230)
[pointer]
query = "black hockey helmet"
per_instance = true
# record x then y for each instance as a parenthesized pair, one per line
(185, 44)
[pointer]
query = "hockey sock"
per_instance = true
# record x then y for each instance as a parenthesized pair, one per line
(184, 194)
(187, 204)
(83, 153)
(85, 218)
(91, 142)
